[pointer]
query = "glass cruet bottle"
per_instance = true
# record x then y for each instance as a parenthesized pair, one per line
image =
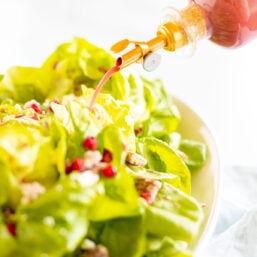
(228, 23)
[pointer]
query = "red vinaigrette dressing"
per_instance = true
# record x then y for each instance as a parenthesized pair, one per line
(232, 22)
(104, 80)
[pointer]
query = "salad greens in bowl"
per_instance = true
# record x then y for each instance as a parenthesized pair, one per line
(117, 180)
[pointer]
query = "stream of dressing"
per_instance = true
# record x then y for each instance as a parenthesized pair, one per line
(104, 80)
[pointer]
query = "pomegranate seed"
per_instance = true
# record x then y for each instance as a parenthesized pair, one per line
(19, 116)
(11, 226)
(77, 164)
(109, 171)
(34, 105)
(68, 168)
(147, 196)
(107, 156)
(35, 116)
(137, 131)
(50, 105)
(90, 143)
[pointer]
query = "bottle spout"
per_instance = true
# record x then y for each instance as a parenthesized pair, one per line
(138, 52)
(170, 36)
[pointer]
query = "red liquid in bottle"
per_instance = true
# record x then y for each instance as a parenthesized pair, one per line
(232, 22)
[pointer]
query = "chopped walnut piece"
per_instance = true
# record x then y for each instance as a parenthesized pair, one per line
(135, 159)
(148, 189)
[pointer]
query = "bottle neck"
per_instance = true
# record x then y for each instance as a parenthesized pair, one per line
(184, 28)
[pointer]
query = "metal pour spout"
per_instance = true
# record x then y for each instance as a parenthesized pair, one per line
(170, 36)
(140, 51)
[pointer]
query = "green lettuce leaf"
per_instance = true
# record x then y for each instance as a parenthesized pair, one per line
(117, 198)
(123, 236)
(79, 63)
(56, 222)
(141, 172)
(195, 153)
(9, 188)
(166, 247)
(7, 242)
(70, 66)
(174, 214)
(23, 84)
(163, 116)
(33, 153)
(80, 122)
(163, 158)
(162, 122)
(110, 139)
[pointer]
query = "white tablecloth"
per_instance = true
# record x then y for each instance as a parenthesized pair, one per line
(236, 230)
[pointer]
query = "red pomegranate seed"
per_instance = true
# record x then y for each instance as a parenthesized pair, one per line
(19, 116)
(107, 156)
(137, 131)
(34, 105)
(35, 116)
(109, 171)
(50, 105)
(147, 196)
(68, 169)
(90, 143)
(77, 164)
(11, 226)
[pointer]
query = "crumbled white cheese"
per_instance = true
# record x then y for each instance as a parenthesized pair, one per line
(49, 221)
(31, 191)
(86, 178)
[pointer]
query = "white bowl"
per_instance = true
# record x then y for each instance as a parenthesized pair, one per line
(205, 182)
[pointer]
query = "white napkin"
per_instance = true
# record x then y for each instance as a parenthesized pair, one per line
(236, 230)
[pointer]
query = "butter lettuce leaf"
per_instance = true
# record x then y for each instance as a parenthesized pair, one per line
(129, 231)
(174, 214)
(23, 153)
(23, 84)
(78, 63)
(116, 198)
(195, 152)
(163, 117)
(9, 188)
(7, 242)
(166, 247)
(56, 222)
(163, 158)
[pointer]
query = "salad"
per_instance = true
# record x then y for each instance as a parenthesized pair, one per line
(112, 181)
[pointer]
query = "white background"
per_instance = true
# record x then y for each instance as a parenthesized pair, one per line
(219, 84)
